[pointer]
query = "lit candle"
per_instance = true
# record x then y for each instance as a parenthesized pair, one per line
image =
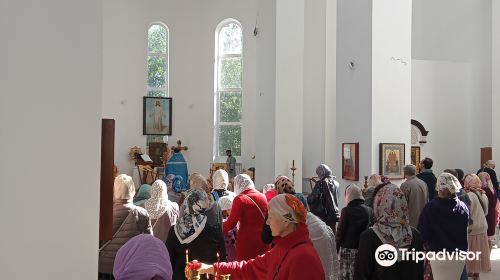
(187, 258)
(215, 268)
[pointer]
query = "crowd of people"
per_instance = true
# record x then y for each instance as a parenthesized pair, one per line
(232, 228)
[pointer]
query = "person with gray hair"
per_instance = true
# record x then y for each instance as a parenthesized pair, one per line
(489, 167)
(128, 221)
(416, 193)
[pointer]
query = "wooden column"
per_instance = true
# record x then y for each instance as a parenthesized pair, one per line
(107, 179)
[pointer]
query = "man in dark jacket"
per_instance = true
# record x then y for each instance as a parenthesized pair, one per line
(489, 167)
(428, 176)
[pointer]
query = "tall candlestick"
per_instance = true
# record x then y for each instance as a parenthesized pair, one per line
(187, 257)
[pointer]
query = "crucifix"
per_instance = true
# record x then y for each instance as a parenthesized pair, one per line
(293, 171)
(180, 147)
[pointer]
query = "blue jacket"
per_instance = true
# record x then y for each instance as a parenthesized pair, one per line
(443, 224)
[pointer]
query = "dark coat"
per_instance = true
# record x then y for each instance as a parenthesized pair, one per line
(204, 248)
(430, 179)
(354, 219)
(367, 268)
(324, 201)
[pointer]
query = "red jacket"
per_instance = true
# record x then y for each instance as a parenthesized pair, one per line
(248, 238)
(292, 258)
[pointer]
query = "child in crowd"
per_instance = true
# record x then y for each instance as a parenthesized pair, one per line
(225, 204)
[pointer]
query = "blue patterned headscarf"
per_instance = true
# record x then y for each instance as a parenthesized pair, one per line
(192, 215)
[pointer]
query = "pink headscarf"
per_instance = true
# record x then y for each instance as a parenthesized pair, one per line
(143, 257)
(486, 181)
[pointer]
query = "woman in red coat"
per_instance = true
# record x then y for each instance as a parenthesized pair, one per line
(250, 210)
(292, 258)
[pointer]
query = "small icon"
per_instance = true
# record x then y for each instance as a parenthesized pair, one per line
(386, 255)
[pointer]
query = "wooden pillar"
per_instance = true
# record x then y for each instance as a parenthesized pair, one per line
(107, 179)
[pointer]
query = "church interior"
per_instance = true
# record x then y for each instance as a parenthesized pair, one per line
(362, 86)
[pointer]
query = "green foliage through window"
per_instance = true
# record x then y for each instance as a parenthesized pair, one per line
(157, 69)
(230, 138)
(230, 106)
(230, 72)
(157, 39)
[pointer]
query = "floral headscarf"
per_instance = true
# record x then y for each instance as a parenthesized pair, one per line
(242, 182)
(220, 179)
(158, 204)
(352, 192)
(472, 183)
(284, 185)
(323, 171)
(486, 181)
(391, 217)
(448, 181)
(192, 215)
(142, 257)
(289, 208)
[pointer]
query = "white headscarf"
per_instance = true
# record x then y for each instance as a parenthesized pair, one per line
(158, 204)
(268, 187)
(448, 181)
(220, 179)
(242, 183)
(353, 192)
(226, 202)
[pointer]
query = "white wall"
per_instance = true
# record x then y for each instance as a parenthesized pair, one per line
(354, 87)
(391, 84)
(192, 29)
(50, 111)
(289, 88)
(313, 152)
(266, 97)
(452, 79)
(495, 82)
(443, 102)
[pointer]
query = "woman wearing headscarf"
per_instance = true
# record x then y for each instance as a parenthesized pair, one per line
(269, 191)
(391, 227)
(491, 218)
(292, 258)
(250, 210)
(196, 233)
(143, 257)
(220, 182)
(162, 212)
(213, 213)
(478, 239)
(443, 225)
(283, 184)
(143, 194)
(128, 221)
(354, 219)
(324, 197)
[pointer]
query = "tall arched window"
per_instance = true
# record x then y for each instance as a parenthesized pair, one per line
(228, 87)
(157, 62)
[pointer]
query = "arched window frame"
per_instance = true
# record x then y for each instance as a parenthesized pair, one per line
(158, 91)
(219, 155)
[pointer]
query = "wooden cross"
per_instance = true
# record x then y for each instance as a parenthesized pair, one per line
(180, 147)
